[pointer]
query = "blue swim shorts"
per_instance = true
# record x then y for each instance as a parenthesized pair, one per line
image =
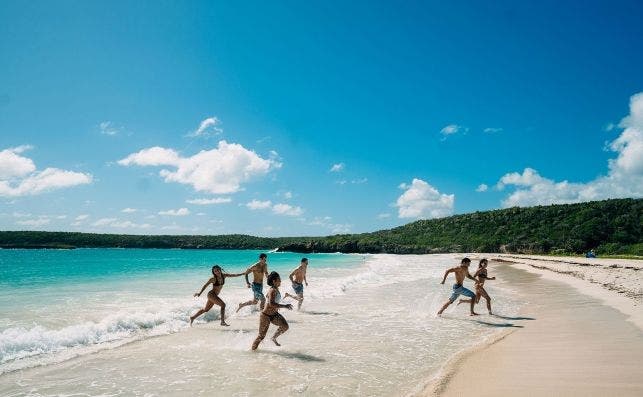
(257, 289)
(298, 287)
(458, 289)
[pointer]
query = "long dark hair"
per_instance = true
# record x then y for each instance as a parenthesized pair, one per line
(272, 277)
(483, 261)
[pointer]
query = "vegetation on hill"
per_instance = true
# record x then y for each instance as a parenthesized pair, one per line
(610, 227)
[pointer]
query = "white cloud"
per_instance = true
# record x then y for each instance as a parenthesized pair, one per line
(359, 181)
(108, 128)
(18, 175)
(482, 188)
(383, 216)
(129, 210)
(34, 222)
(13, 165)
(219, 171)
(279, 208)
(492, 130)
(421, 200)
(117, 223)
(624, 177)
(325, 222)
(204, 201)
(82, 217)
(286, 209)
(207, 127)
(337, 167)
(287, 195)
(609, 127)
(179, 212)
(452, 129)
(259, 205)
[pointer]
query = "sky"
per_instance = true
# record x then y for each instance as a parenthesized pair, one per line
(292, 118)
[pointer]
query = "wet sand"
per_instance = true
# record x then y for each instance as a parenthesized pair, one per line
(572, 342)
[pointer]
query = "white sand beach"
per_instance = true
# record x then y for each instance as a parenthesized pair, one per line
(581, 335)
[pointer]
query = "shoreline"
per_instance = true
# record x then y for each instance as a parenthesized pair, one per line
(486, 363)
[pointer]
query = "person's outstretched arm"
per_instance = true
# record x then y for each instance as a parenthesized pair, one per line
(446, 274)
(210, 281)
(246, 274)
(233, 274)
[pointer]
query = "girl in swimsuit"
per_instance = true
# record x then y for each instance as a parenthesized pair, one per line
(481, 276)
(217, 281)
(270, 313)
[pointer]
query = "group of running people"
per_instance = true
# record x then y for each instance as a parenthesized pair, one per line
(269, 304)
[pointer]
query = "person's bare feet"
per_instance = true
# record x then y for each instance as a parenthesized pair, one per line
(224, 324)
(191, 321)
(275, 341)
(474, 314)
(460, 301)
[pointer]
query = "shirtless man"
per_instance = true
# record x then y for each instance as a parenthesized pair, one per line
(458, 289)
(258, 270)
(298, 278)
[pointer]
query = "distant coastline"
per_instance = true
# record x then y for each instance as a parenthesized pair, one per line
(610, 227)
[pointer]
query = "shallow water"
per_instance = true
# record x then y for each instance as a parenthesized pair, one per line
(367, 327)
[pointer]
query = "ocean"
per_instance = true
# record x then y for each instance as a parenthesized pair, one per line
(116, 322)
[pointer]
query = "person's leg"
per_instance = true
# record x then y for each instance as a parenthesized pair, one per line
(208, 306)
(463, 301)
(264, 323)
(445, 306)
(281, 322)
(301, 300)
(248, 303)
(219, 302)
(484, 294)
(472, 297)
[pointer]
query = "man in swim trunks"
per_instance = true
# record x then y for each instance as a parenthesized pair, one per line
(258, 270)
(461, 272)
(298, 278)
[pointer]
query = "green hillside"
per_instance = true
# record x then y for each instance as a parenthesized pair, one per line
(609, 227)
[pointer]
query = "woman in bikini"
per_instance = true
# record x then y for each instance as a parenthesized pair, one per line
(270, 313)
(481, 276)
(217, 281)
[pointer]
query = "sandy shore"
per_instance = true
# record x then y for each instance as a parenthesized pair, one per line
(580, 333)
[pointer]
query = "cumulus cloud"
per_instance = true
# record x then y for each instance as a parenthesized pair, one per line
(286, 209)
(207, 127)
(179, 212)
(624, 177)
(259, 205)
(279, 208)
(482, 188)
(337, 167)
(19, 177)
(421, 200)
(82, 217)
(218, 171)
(204, 201)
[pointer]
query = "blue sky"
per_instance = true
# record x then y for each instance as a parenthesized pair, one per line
(301, 118)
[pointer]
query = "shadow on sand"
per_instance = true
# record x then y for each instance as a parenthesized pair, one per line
(513, 318)
(314, 313)
(498, 325)
(296, 356)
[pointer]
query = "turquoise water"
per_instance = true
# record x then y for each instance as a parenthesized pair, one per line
(53, 302)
